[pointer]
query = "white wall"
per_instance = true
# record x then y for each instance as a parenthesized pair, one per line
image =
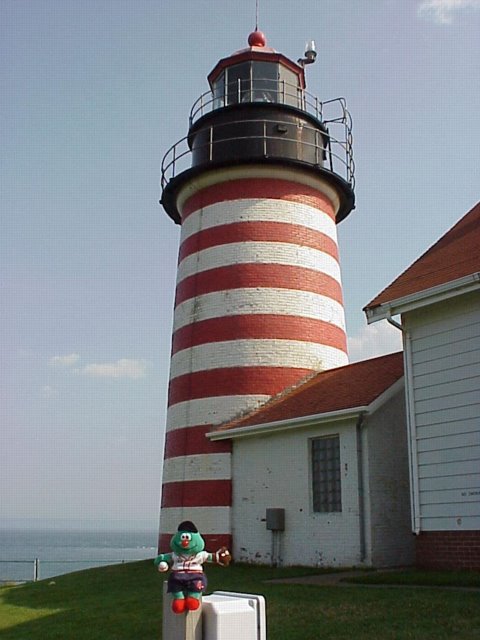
(390, 536)
(444, 356)
(274, 471)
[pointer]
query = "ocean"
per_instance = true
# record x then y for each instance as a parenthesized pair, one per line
(63, 551)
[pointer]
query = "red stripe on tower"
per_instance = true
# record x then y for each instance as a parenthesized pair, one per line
(259, 232)
(235, 381)
(191, 441)
(197, 493)
(260, 188)
(257, 327)
(264, 276)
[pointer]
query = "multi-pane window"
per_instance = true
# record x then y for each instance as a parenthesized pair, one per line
(257, 81)
(238, 82)
(219, 91)
(264, 82)
(326, 481)
(289, 88)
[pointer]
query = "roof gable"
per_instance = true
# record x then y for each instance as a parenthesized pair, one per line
(347, 387)
(454, 256)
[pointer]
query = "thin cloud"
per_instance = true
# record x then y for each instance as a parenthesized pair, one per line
(443, 11)
(123, 368)
(64, 361)
(374, 340)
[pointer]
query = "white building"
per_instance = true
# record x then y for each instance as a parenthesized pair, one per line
(355, 473)
(332, 453)
(438, 298)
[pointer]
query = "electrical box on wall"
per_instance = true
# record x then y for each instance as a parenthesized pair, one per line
(233, 616)
(275, 519)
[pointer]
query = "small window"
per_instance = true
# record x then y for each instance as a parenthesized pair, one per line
(326, 481)
(290, 89)
(219, 91)
(238, 82)
(265, 82)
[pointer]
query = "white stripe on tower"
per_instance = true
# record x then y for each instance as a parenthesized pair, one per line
(265, 353)
(258, 253)
(199, 467)
(244, 302)
(258, 307)
(274, 211)
(205, 412)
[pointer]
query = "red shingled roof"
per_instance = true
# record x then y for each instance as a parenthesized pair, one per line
(354, 385)
(454, 256)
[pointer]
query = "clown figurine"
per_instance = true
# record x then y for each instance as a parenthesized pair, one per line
(187, 580)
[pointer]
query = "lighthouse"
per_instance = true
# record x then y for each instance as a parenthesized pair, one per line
(258, 186)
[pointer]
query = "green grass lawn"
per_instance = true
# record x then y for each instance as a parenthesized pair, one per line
(123, 602)
(413, 577)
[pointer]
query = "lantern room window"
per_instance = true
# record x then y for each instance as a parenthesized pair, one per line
(238, 82)
(257, 81)
(219, 91)
(290, 89)
(265, 78)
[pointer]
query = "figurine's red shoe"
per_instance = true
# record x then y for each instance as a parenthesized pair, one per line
(178, 605)
(192, 604)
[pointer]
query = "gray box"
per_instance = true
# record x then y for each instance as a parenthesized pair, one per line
(276, 519)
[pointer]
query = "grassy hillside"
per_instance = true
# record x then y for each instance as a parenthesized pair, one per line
(123, 602)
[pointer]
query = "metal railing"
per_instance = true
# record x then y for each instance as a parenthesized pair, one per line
(259, 90)
(338, 152)
(35, 566)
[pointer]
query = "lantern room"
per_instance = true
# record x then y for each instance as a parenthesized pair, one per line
(257, 74)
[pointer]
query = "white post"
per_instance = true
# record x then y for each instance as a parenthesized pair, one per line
(36, 569)
(183, 626)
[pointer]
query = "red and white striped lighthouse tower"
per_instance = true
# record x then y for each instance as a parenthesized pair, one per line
(258, 186)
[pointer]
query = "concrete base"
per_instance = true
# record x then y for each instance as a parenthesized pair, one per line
(184, 626)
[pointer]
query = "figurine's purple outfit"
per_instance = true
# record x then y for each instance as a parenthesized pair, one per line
(187, 573)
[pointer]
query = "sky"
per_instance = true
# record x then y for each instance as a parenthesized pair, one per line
(93, 93)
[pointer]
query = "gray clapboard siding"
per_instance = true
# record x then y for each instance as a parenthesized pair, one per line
(449, 442)
(453, 428)
(452, 523)
(455, 361)
(446, 331)
(463, 453)
(445, 351)
(445, 361)
(450, 387)
(464, 370)
(453, 509)
(445, 416)
(444, 469)
(459, 494)
(446, 316)
(450, 401)
(463, 481)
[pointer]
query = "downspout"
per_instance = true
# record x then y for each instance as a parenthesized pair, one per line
(395, 324)
(361, 488)
(411, 426)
